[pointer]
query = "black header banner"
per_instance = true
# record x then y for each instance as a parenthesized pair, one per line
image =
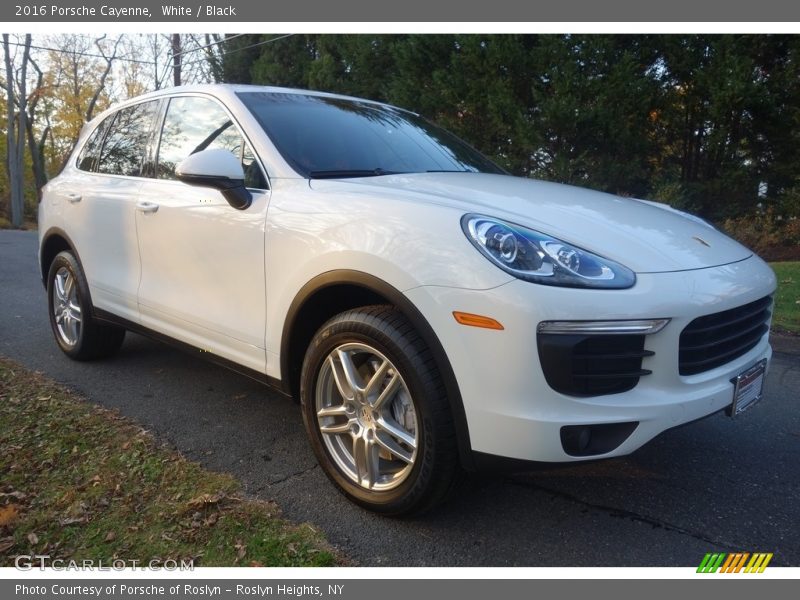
(442, 11)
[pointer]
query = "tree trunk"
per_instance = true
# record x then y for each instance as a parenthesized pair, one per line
(176, 58)
(16, 132)
(36, 149)
(11, 144)
(36, 146)
(22, 126)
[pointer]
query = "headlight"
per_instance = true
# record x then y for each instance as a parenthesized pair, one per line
(537, 257)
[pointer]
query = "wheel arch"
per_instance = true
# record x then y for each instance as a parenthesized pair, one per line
(55, 240)
(333, 292)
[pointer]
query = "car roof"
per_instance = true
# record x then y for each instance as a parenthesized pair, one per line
(222, 90)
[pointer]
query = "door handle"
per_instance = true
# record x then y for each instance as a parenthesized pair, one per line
(146, 207)
(74, 198)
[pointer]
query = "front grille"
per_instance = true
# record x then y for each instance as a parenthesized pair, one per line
(714, 340)
(592, 365)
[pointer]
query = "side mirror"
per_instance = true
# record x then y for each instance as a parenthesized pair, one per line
(218, 169)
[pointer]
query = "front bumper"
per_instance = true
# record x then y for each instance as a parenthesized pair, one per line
(510, 408)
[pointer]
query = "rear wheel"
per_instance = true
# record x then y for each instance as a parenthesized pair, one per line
(77, 333)
(376, 412)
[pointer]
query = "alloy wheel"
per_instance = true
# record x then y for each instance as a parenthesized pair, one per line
(367, 417)
(67, 307)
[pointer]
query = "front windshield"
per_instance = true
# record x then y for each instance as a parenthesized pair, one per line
(334, 137)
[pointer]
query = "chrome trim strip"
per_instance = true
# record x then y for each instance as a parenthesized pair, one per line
(641, 327)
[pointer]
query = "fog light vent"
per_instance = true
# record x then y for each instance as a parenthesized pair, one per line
(591, 440)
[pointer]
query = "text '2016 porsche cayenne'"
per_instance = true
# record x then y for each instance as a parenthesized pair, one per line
(429, 311)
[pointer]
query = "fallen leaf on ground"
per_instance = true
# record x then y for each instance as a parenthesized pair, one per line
(241, 550)
(17, 495)
(33, 538)
(205, 499)
(8, 514)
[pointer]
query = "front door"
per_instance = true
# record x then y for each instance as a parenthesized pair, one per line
(203, 278)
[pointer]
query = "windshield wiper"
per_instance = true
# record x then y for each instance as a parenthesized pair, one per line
(336, 174)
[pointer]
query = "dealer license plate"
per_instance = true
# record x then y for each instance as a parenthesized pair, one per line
(748, 387)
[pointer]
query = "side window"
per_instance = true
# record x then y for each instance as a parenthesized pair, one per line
(193, 124)
(126, 143)
(87, 159)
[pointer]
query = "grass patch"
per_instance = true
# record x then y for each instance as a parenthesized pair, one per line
(80, 482)
(787, 298)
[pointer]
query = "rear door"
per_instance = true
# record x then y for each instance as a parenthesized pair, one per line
(99, 212)
(202, 261)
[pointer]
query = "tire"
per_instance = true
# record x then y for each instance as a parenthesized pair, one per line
(69, 305)
(377, 414)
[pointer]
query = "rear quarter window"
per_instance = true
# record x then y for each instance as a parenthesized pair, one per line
(126, 143)
(90, 153)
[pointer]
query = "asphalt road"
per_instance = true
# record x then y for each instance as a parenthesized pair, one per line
(715, 485)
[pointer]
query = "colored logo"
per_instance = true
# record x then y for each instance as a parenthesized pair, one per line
(735, 562)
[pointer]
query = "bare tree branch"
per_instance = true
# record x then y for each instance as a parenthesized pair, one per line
(109, 64)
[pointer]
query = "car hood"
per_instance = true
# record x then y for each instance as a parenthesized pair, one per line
(645, 236)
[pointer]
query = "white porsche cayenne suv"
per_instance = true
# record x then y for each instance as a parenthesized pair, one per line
(430, 312)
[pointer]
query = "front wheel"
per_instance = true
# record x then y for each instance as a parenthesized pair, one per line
(377, 414)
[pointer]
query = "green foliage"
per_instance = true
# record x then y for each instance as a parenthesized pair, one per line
(709, 123)
(673, 193)
(787, 299)
(284, 62)
(767, 233)
(788, 203)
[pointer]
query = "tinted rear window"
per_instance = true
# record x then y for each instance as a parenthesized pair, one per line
(126, 142)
